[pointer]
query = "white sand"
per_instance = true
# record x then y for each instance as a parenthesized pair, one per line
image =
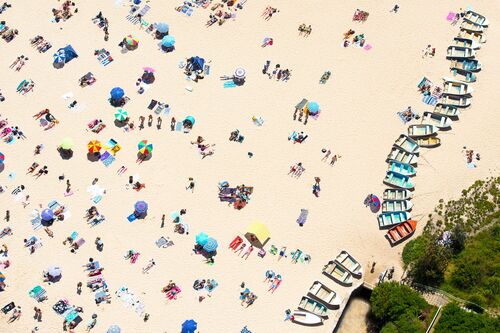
(358, 121)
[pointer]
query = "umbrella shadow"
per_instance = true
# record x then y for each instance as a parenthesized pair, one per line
(121, 124)
(47, 223)
(2, 167)
(141, 157)
(65, 154)
(208, 255)
(93, 157)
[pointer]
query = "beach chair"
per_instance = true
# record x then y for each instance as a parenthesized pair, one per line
(164, 242)
(36, 222)
(301, 104)
(273, 250)
(7, 308)
(152, 104)
(116, 149)
(38, 293)
(111, 144)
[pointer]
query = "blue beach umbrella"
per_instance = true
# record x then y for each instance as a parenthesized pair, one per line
(114, 329)
(190, 119)
(168, 41)
(117, 93)
(189, 326)
(141, 207)
(201, 238)
(162, 27)
(60, 56)
(211, 245)
(313, 107)
(47, 214)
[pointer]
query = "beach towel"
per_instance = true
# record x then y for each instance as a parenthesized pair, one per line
(430, 100)
(368, 47)
(229, 84)
(301, 220)
(451, 16)
(178, 126)
(108, 161)
(131, 217)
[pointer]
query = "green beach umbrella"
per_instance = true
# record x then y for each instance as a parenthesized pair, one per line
(67, 143)
(121, 115)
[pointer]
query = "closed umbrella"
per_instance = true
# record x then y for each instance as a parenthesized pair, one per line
(144, 147)
(162, 27)
(189, 326)
(114, 329)
(141, 207)
(117, 93)
(168, 41)
(47, 214)
(67, 143)
(201, 238)
(94, 146)
(210, 245)
(313, 107)
(54, 271)
(121, 115)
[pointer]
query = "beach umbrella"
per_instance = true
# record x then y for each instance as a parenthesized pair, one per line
(131, 40)
(168, 41)
(190, 119)
(67, 143)
(117, 93)
(60, 56)
(141, 207)
(239, 73)
(121, 115)
(2, 157)
(144, 147)
(201, 238)
(313, 107)
(54, 271)
(149, 70)
(94, 146)
(210, 245)
(114, 329)
(197, 63)
(189, 326)
(47, 214)
(2, 277)
(137, 2)
(162, 27)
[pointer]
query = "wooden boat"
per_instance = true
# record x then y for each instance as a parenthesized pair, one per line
(422, 130)
(399, 155)
(327, 296)
(338, 273)
(429, 142)
(437, 120)
(460, 52)
(471, 65)
(477, 36)
(466, 42)
(456, 88)
(306, 318)
(458, 101)
(349, 263)
(476, 18)
(315, 307)
(469, 26)
(396, 194)
(396, 206)
(401, 232)
(464, 76)
(407, 143)
(398, 180)
(387, 220)
(448, 111)
(402, 168)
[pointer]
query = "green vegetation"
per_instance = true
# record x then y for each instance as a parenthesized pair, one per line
(454, 319)
(399, 309)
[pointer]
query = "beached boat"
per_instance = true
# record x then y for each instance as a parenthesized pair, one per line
(437, 120)
(398, 180)
(448, 111)
(422, 130)
(315, 307)
(464, 76)
(396, 206)
(401, 232)
(477, 36)
(306, 318)
(429, 142)
(460, 52)
(476, 18)
(338, 273)
(387, 220)
(402, 168)
(471, 65)
(399, 155)
(466, 42)
(396, 194)
(351, 264)
(458, 101)
(407, 143)
(327, 296)
(456, 88)
(469, 26)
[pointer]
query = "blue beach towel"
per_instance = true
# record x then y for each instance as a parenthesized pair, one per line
(229, 84)
(430, 100)
(131, 217)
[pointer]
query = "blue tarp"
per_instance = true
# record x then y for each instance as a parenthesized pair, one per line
(69, 53)
(197, 63)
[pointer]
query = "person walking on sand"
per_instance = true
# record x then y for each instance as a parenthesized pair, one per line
(327, 154)
(159, 120)
(172, 124)
(79, 288)
(141, 122)
(162, 221)
(334, 159)
(190, 185)
(38, 314)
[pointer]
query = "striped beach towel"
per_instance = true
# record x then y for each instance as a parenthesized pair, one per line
(430, 100)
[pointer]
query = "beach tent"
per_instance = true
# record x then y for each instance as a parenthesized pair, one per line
(257, 234)
(211, 245)
(189, 326)
(47, 214)
(196, 63)
(114, 329)
(201, 238)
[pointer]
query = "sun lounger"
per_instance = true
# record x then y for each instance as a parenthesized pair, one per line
(134, 19)
(301, 104)
(152, 104)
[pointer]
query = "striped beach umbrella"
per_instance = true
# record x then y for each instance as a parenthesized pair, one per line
(145, 148)
(2, 157)
(131, 40)
(121, 115)
(211, 245)
(2, 277)
(94, 146)
(60, 56)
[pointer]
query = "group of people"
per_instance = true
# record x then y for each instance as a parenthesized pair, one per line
(7, 34)
(269, 12)
(239, 196)
(65, 12)
(305, 30)
(273, 279)
(327, 153)
(47, 120)
(19, 63)
(247, 297)
(296, 170)
(40, 43)
(358, 40)
(277, 72)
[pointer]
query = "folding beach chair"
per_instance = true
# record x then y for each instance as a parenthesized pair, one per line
(301, 104)
(164, 242)
(152, 104)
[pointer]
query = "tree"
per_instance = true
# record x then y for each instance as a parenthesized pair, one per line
(414, 249)
(457, 237)
(391, 300)
(429, 269)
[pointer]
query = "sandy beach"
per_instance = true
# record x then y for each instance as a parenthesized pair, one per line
(358, 122)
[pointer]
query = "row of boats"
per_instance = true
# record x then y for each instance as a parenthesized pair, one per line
(403, 157)
(320, 299)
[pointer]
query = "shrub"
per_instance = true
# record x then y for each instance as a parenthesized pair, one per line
(454, 319)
